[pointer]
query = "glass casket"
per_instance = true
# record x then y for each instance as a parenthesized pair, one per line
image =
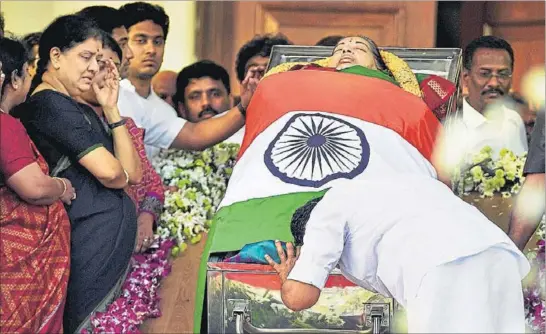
(245, 298)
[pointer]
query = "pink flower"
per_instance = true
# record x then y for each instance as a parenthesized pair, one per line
(139, 298)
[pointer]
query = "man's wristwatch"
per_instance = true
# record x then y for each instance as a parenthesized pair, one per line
(116, 124)
(242, 109)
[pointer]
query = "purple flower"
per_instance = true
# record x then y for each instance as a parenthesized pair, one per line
(139, 300)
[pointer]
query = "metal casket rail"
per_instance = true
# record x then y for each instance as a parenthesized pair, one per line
(245, 298)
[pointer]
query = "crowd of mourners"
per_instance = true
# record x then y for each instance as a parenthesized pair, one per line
(84, 109)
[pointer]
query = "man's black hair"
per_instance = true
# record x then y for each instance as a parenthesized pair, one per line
(300, 219)
(260, 45)
(200, 69)
(107, 18)
(486, 42)
(330, 40)
(136, 12)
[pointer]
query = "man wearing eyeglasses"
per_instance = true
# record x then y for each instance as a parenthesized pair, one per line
(486, 120)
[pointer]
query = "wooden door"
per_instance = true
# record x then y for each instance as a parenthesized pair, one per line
(223, 27)
(521, 23)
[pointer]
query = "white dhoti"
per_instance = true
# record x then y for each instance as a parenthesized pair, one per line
(476, 294)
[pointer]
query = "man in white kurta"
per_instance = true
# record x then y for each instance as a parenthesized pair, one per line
(410, 238)
(486, 120)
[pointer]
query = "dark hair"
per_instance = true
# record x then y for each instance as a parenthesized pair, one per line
(106, 18)
(2, 24)
(379, 62)
(13, 56)
(330, 40)
(200, 69)
(260, 45)
(31, 40)
(136, 12)
(108, 42)
(65, 33)
(486, 42)
(300, 219)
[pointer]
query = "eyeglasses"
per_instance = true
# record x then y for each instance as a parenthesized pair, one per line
(501, 76)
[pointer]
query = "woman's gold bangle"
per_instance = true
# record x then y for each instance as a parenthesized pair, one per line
(64, 185)
(126, 177)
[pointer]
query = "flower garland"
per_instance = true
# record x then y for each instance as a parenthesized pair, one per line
(534, 290)
(139, 298)
(481, 173)
(198, 181)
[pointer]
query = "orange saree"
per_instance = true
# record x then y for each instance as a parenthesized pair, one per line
(34, 245)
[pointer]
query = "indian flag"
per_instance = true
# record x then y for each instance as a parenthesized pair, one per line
(306, 131)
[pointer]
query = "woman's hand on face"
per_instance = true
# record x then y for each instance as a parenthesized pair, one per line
(107, 95)
(70, 193)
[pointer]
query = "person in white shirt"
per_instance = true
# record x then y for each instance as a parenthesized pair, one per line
(147, 27)
(410, 238)
(203, 91)
(486, 120)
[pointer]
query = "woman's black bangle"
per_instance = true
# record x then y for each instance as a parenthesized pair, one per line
(242, 109)
(116, 124)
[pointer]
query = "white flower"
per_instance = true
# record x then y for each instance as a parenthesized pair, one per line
(201, 178)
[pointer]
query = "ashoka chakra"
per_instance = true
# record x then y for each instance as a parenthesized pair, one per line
(313, 149)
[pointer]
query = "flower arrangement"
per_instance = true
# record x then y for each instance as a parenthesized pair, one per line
(487, 176)
(481, 173)
(534, 291)
(139, 298)
(198, 181)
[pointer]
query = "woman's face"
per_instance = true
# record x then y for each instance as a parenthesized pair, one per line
(352, 51)
(100, 77)
(76, 68)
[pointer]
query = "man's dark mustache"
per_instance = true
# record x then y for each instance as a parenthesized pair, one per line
(493, 90)
(207, 110)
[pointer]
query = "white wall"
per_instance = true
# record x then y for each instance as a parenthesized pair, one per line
(23, 17)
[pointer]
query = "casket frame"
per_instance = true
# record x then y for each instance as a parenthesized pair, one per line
(444, 62)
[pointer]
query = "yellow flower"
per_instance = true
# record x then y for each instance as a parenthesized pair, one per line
(402, 73)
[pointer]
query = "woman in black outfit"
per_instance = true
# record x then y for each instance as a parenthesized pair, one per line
(100, 163)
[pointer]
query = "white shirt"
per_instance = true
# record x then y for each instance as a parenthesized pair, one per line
(501, 127)
(387, 234)
(237, 137)
(155, 116)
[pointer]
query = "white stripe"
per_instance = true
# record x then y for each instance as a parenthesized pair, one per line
(390, 154)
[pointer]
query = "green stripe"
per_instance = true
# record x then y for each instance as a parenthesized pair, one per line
(88, 150)
(246, 222)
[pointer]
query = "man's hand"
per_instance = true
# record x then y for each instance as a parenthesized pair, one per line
(249, 85)
(288, 260)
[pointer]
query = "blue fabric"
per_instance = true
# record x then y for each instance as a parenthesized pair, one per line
(256, 252)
